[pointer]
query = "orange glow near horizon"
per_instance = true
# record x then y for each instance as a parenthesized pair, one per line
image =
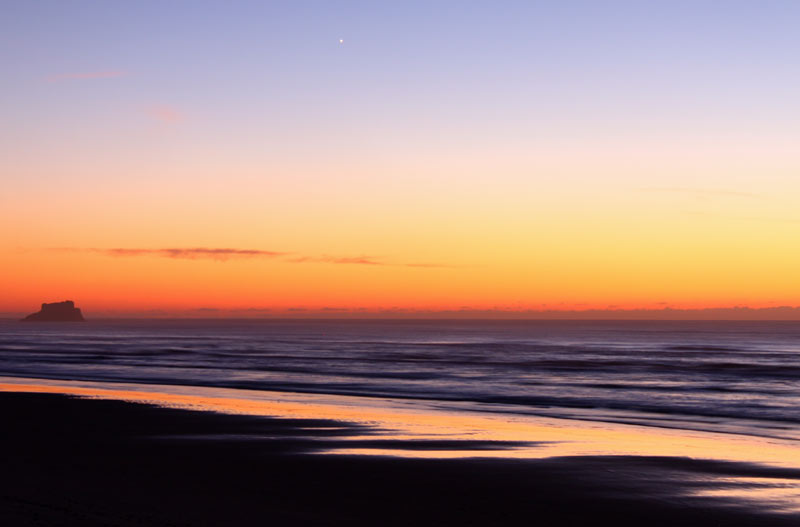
(456, 240)
(514, 256)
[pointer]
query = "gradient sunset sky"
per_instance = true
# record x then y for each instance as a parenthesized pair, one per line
(420, 156)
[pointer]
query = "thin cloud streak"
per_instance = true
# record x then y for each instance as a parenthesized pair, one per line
(189, 253)
(703, 192)
(353, 260)
(165, 114)
(765, 219)
(227, 253)
(431, 266)
(365, 260)
(87, 75)
(194, 253)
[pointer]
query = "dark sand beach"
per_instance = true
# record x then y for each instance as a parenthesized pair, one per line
(78, 461)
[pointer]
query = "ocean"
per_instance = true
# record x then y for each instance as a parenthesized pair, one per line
(741, 377)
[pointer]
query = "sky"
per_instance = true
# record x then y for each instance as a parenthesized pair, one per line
(279, 157)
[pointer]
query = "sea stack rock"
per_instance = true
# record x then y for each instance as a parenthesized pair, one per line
(56, 312)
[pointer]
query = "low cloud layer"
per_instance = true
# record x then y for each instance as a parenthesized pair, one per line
(467, 313)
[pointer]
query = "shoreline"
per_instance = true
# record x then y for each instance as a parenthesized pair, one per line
(767, 429)
(332, 449)
(421, 419)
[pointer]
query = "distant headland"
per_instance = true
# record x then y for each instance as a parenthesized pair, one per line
(56, 312)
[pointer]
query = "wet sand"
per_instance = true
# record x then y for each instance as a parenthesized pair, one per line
(100, 461)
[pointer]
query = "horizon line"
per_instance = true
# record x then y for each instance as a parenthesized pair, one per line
(732, 313)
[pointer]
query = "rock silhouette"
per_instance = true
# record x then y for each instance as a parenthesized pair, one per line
(56, 312)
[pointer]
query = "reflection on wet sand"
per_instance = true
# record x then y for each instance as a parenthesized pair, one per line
(766, 470)
(778, 494)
